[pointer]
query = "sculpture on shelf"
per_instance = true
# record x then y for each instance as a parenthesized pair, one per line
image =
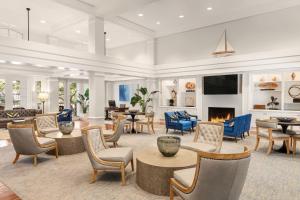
(173, 100)
(142, 99)
(293, 76)
(268, 86)
(190, 86)
(294, 92)
(273, 103)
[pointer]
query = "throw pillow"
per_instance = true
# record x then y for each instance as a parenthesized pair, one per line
(12, 114)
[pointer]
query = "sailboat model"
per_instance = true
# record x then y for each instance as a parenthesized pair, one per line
(224, 48)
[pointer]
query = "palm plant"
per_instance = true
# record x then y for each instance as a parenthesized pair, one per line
(83, 100)
(142, 97)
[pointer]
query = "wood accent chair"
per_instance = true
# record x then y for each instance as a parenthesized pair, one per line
(114, 136)
(208, 137)
(149, 122)
(216, 176)
(119, 116)
(295, 139)
(46, 123)
(101, 156)
(26, 142)
(267, 129)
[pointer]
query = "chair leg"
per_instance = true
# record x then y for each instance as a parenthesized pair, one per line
(248, 132)
(236, 139)
(171, 193)
(16, 158)
(123, 174)
(287, 144)
(153, 129)
(94, 176)
(294, 146)
(270, 147)
(35, 160)
(56, 151)
(132, 165)
(257, 143)
(167, 130)
(148, 127)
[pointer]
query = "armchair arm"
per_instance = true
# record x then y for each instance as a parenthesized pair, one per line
(229, 121)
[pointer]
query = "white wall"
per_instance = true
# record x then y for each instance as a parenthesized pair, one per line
(272, 31)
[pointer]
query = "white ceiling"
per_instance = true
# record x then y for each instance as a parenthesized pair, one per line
(63, 21)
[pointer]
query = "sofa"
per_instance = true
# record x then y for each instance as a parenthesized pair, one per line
(237, 126)
(173, 121)
(7, 116)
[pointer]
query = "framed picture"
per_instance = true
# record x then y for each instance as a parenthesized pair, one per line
(124, 92)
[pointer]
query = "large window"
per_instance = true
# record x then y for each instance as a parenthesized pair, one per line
(73, 97)
(2, 93)
(16, 85)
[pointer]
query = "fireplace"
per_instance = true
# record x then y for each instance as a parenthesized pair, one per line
(220, 114)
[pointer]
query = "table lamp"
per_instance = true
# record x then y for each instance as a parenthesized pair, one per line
(43, 97)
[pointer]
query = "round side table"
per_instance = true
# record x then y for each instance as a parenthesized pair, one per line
(68, 144)
(154, 170)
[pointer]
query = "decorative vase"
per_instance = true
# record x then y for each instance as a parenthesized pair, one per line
(293, 75)
(66, 128)
(168, 145)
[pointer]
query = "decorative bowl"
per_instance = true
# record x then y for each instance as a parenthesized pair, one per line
(168, 145)
(286, 119)
(66, 128)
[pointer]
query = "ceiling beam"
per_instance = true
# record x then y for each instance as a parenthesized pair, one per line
(79, 5)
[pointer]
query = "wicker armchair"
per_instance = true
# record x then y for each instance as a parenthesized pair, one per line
(216, 176)
(25, 142)
(101, 156)
(208, 137)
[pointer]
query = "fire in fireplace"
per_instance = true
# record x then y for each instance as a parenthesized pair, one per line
(220, 114)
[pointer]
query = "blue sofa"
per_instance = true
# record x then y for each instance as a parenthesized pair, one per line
(174, 122)
(237, 126)
(183, 115)
(65, 115)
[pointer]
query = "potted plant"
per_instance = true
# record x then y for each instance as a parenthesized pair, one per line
(83, 101)
(142, 97)
(273, 103)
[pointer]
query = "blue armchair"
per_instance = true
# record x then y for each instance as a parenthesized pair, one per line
(183, 115)
(248, 123)
(65, 115)
(235, 127)
(174, 122)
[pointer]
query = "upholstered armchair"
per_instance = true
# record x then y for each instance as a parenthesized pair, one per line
(25, 142)
(208, 137)
(216, 177)
(184, 115)
(149, 122)
(235, 127)
(267, 129)
(175, 123)
(101, 156)
(46, 123)
(114, 136)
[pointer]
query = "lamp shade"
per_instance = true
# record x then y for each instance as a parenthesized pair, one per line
(43, 96)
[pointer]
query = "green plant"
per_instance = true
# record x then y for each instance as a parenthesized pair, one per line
(142, 97)
(273, 103)
(83, 100)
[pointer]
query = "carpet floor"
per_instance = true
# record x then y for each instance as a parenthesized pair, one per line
(273, 177)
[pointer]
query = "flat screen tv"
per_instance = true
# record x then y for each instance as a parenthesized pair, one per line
(225, 84)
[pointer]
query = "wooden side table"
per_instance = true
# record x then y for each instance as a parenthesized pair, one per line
(154, 170)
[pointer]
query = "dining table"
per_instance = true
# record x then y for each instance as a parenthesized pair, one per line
(133, 118)
(285, 122)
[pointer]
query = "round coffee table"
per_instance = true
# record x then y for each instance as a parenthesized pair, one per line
(68, 144)
(154, 171)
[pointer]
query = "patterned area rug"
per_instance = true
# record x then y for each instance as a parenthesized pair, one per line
(273, 177)
(4, 134)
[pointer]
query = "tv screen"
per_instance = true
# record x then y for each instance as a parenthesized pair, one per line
(225, 84)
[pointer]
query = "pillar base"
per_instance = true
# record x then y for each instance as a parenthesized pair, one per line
(96, 120)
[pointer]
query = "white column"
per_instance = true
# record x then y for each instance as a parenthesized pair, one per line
(97, 99)
(96, 35)
(30, 93)
(53, 95)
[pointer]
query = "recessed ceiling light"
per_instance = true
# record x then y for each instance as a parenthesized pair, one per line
(78, 31)
(73, 69)
(43, 21)
(61, 68)
(158, 22)
(140, 14)
(209, 8)
(38, 65)
(2, 61)
(15, 62)
(107, 39)
(181, 16)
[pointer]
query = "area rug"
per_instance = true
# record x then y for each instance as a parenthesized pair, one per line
(273, 177)
(4, 134)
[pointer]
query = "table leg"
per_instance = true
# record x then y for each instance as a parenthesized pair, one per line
(283, 149)
(132, 128)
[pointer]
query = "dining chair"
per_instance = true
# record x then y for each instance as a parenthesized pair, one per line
(216, 176)
(101, 156)
(148, 121)
(26, 142)
(295, 139)
(114, 136)
(208, 137)
(119, 116)
(46, 123)
(267, 129)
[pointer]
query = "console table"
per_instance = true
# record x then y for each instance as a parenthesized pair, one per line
(154, 170)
